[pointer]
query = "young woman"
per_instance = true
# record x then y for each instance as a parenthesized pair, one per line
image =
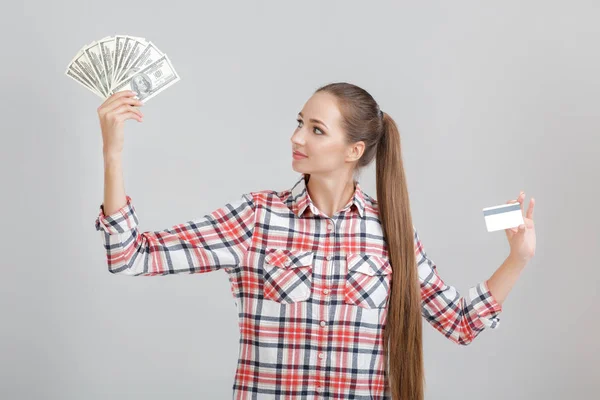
(330, 284)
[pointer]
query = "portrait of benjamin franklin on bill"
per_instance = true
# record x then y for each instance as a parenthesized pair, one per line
(141, 84)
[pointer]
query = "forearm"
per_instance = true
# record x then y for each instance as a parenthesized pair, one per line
(114, 186)
(502, 281)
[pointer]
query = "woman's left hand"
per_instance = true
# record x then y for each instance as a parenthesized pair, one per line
(522, 238)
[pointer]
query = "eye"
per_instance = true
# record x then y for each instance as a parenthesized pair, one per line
(300, 121)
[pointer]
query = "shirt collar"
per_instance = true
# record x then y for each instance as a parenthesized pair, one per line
(301, 199)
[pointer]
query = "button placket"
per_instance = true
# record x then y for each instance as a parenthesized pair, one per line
(321, 356)
(328, 258)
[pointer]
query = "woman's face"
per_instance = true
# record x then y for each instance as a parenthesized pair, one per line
(320, 137)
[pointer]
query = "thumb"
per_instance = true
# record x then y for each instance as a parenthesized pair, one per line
(517, 229)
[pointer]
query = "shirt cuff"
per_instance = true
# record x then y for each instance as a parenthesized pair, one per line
(122, 220)
(486, 305)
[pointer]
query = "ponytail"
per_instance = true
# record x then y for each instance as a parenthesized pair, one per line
(404, 325)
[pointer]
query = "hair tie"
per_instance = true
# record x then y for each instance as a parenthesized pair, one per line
(380, 113)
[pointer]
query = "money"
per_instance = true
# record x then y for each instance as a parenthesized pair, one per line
(122, 62)
(151, 80)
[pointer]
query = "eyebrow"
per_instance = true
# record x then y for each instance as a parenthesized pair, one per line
(314, 120)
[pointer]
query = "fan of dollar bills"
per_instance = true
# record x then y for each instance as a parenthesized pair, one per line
(121, 62)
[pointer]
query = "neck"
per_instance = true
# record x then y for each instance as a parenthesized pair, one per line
(330, 194)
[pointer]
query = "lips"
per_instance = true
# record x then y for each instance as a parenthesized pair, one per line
(297, 153)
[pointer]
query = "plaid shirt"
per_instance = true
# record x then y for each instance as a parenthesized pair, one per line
(311, 291)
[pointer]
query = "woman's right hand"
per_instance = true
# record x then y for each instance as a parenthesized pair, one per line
(115, 110)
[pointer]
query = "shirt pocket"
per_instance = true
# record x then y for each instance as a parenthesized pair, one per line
(367, 281)
(287, 275)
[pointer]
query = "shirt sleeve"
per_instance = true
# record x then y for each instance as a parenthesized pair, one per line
(460, 319)
(214, 241)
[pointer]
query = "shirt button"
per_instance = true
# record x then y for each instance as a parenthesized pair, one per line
(321, 355)
(325, 291)
(329, 257)
(323, 323)
(287, 263)
(330, 226)
(318, 388)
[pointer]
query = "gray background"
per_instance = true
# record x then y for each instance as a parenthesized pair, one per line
(490, 100)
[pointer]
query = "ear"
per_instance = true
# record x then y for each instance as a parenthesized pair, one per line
(356, 150)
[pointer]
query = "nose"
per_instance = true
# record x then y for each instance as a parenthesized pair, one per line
(297, 138)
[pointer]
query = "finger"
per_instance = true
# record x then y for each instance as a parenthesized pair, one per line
(135, 110)
(125, 101)
(522, 200)
(110, 102)
(126, 108)
(113, 101)
(118, 95)
(530, 208)
(129, 115)
(518, 229)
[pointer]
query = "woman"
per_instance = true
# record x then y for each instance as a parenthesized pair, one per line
(323, 275)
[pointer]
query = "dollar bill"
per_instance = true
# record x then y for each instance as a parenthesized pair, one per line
(117, 62)
(93, 54)
(151, 80)
(83, 64)
(106, 46)
(124, 43)
(78, 76)
(150, 54)
(137, 46)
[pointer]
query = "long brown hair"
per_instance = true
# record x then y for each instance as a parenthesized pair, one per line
(362, 120)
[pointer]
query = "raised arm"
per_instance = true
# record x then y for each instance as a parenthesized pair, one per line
(217, 240)
(461, 319)
(214, 241)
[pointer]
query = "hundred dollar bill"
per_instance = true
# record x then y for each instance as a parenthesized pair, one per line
(150, 54)
(78, 76)
(107, 53)
(119, 43)
(123, 46)
(137, 47)
(105, 65)
(83, 64)
(151, 80)
(93, 53)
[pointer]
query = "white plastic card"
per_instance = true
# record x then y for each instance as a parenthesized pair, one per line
(504, 216)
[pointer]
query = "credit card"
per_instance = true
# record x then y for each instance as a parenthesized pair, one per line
(504, 216)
